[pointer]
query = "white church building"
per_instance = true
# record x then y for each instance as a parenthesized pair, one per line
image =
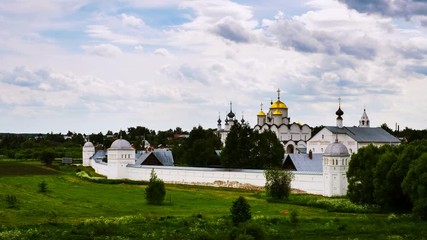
(292, 135)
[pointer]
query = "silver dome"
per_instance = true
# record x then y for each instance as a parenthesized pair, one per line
(336, 149)
(121, 144)
(88, 145)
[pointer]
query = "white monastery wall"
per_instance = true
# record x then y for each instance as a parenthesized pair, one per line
(307, 182)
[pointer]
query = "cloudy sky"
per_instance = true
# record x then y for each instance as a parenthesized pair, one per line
(97, 65)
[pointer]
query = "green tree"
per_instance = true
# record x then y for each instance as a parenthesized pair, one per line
(155, 191)
(47, 157)
(415, 185)
(278, 183)
(360, 175)
(267, 152)
(384, 188)
(238, 147)
(199, 149)
(240, 211)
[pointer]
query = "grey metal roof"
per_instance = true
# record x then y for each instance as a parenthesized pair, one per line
(99, 155)
(304, 164)
(163, 155)
(365, 135)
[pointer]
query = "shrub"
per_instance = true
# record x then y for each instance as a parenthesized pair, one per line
(248, 231)
(11, 201)
(240, 211)
(43, 187)
(278, 183)
(47, 157)
(293, 218)
(155, 191)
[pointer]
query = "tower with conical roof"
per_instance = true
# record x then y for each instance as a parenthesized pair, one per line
(364, 120)
(339, 113)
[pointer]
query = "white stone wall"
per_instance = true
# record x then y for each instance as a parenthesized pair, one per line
(307, 182)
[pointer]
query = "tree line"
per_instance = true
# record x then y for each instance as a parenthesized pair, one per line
(392, 177)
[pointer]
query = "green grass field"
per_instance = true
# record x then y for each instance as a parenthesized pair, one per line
(77, 209)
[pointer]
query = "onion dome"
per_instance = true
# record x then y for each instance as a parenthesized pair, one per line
(219, 120)
(88, 145)
(277, 112)
(121, 144)
(336, 149)
(278, 104)
(231, 114)
(339, 112)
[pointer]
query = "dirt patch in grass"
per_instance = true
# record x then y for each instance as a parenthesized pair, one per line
(11, 168)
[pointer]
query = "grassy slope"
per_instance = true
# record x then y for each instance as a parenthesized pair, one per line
(71, 200)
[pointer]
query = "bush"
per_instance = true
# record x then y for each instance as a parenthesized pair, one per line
(43, 187)
(155, 191)
(11, 201)
(47, 157)
(240, 211)
(293, 218)
(248, 231)
(278, 183)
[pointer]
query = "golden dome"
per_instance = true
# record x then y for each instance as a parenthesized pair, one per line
(277, 112)
(261, 113)
(278, 105)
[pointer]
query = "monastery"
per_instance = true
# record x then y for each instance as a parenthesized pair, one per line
(319, 163)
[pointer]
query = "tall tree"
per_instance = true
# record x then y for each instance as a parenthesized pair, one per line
(414, 184)
(360, 175)
(245, 148)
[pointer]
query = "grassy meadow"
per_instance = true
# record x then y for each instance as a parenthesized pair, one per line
(74, 208)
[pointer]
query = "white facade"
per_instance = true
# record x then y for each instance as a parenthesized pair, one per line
(293, 136)
(319, 142)
(352, 137)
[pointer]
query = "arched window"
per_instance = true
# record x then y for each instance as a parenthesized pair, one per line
(323, 136)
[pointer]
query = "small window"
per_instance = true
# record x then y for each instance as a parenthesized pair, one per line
(323, 136)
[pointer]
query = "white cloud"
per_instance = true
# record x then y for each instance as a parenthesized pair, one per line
(162, 52)
(103, 50)
(188, 70)
(131, 20)
(104, 32)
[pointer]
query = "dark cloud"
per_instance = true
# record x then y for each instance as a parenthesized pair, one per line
(293, 34)
(230, 29)
(392, 8)
(38, 79)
